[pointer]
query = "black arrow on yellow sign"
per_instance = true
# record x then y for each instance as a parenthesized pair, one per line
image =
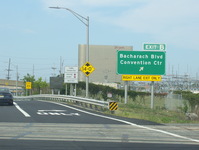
(87, 64)
(87, 73)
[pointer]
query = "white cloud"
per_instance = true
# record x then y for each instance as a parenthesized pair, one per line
(110, 3)
(29, 31)
(173, 21)
(48, 3)
(156, 15)
(90, 3)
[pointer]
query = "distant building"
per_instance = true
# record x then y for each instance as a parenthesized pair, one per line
(14, 86)
(10, 83)
(104, 59)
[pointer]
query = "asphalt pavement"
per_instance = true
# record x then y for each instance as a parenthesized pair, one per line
(50, 125)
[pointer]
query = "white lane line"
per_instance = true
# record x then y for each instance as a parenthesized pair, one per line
(21, 110)
(129, 123)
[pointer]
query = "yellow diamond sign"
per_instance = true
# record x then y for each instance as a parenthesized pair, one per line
(87, 68)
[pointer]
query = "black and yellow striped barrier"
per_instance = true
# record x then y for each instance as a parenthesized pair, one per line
(113, 106)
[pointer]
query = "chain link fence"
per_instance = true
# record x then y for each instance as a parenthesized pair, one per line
(175, 102)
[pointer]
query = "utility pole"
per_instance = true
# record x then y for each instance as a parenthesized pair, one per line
(8, 76)
(17, 74)
(85, 21)
(53, 68)
(61, 66)
(33, 70)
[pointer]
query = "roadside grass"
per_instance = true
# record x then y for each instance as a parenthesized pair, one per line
(142, 110)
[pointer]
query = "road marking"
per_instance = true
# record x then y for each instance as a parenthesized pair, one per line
(52, 110)
(21, 110)
(56, 113)
(129, 123)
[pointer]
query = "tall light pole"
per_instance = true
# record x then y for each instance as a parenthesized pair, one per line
(85, 21)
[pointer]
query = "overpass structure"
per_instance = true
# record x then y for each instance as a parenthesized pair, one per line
(16, 87)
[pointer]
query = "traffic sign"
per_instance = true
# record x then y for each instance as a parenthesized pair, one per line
(141, 62)
(87, 68)
(113, 106)
(141, 78)
(28, 85)
(160, 47)
(71, 75)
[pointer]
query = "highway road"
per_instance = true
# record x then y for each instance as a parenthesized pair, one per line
(42, 125)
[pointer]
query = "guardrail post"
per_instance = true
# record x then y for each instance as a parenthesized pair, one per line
(91, 106)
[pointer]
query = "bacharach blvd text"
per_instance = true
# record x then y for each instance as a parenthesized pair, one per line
(151, 59)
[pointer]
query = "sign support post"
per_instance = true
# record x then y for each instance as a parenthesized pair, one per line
(66, 92)
(126, 92)
(28, 87)
(152, 94)
(87, 69)
(71, 89)
(75, 90)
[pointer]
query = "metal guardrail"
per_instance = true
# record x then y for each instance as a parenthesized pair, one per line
(85, 102)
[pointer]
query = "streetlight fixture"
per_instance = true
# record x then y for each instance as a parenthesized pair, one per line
(85, 21)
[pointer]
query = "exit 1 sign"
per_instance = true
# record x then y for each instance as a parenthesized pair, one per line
(158, 47)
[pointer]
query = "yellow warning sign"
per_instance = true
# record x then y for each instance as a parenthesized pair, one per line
(87, 68)
(28, 85)
(141, 78)
(113, 106)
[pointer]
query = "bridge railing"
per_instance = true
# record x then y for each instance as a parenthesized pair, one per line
(84, 102)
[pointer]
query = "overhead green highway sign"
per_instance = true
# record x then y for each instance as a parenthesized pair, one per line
(149, 47)
(141, 62)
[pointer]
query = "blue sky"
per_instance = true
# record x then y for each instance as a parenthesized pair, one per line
(34, 36)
